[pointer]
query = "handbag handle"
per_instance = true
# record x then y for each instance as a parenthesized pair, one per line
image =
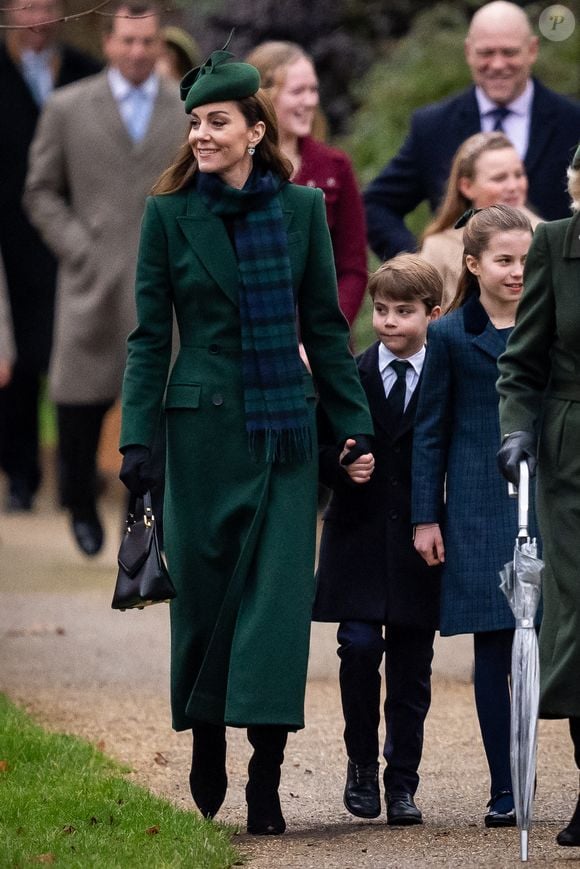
(148, 516)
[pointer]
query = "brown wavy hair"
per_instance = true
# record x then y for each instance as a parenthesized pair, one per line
(463, 166)
(476, 237)
(268, 155)
(407, 277)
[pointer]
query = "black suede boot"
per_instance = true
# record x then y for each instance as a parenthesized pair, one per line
(570, 835)
(208, 780)
(264, 812)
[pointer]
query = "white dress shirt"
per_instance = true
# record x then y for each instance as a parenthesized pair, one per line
(389, 375)
(516, 124)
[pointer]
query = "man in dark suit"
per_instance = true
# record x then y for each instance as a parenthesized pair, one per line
(545, 128)
(32, 64)
(369, 576)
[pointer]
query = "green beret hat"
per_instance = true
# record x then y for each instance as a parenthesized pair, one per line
(220, 78)
(576, 159)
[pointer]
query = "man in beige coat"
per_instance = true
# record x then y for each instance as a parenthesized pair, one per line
(99, 146)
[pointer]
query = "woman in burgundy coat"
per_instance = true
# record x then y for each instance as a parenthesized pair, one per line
(288, 75)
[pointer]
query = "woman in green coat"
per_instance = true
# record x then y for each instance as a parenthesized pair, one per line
(238, 254)
(540, 419)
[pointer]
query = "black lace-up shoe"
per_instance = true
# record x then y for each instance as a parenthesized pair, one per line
(361, 793)
(402, 811)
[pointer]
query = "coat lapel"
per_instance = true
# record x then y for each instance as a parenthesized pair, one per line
(206, 234)
(109, 118)
(368, 364)
(477, 323)
(572, 239)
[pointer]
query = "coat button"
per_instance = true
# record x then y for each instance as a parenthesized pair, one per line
(393, 514)
(394, 481)
(213, 349)
(217, 399)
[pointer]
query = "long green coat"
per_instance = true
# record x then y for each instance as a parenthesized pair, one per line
(239, 534)
(540, 391)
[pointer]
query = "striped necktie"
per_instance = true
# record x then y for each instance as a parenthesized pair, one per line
(498, 116)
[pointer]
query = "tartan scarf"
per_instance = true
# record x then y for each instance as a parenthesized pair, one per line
(275, 406)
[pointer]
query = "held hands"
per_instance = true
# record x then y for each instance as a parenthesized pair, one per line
(429, 543)
(357, 459)
(135, 470)
(516, 447)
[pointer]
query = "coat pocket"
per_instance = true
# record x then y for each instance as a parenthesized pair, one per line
(182, 395)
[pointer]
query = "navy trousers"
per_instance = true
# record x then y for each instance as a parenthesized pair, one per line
(408, 653)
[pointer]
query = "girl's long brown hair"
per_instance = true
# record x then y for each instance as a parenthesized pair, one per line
(476, 237)
(268, 155)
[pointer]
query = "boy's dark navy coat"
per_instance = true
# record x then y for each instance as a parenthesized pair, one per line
(368, 568)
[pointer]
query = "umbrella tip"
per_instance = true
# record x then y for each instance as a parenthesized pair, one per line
(524, 846)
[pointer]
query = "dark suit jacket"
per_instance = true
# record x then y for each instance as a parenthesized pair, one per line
(421, 168)
(30, 268)
(368, 568)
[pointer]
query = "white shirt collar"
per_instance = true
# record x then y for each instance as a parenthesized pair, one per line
(121, 87)
(522, 105)
(386, 357)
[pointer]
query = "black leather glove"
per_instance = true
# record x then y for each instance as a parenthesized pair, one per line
(517, 446)
(135, 470)
(362, 446)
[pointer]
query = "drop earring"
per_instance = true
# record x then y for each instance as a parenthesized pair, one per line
(251, 150)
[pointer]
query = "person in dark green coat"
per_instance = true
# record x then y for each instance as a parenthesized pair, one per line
(539, 391)
(240, 256)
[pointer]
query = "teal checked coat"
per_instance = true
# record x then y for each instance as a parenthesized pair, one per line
(239, 534)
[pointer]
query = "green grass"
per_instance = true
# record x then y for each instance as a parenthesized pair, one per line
(64, 803)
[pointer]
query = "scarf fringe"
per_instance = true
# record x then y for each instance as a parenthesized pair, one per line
(284, 446)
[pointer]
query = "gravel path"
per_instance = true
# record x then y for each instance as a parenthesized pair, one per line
(80, 668)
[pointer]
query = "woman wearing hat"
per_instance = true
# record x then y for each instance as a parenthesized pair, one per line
(236, 251)
(539, 391)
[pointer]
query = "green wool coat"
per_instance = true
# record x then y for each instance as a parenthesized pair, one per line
(540, 391)
(239, 534)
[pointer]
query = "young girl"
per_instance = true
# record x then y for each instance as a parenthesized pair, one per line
(461, 511)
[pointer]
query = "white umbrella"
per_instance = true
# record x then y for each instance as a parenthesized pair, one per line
(521, 582)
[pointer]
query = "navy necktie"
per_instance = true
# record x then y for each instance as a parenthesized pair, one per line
(498, 116)
(396, 397)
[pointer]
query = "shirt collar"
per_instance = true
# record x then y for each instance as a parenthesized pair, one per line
(520, 106)
(386, 357)
(121, 87)
(45, 57)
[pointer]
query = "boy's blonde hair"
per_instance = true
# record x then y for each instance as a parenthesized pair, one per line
(407, 278)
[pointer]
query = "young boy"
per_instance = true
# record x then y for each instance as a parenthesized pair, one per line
(370, 578)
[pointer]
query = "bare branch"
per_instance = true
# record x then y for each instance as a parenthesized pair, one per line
(94, 10)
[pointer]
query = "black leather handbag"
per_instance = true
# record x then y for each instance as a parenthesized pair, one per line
(142, 579)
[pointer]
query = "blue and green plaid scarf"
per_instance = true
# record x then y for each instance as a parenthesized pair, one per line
(276, 412)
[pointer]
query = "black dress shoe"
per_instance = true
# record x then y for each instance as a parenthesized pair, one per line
(501, 810)
(402, 811)
(88, 534)
(361, 793)
(570, 835)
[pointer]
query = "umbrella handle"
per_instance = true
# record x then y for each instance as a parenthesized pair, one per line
(523, 495)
